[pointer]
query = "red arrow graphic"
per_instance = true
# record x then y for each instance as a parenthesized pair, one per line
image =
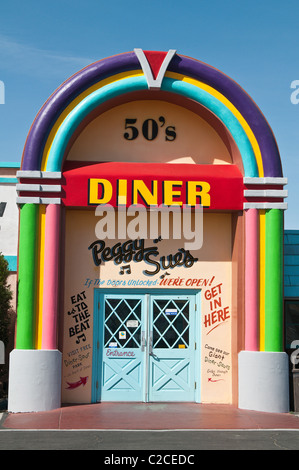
(82, 381)
(211, 380)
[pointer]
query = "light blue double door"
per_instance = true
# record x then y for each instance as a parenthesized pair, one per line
(145, 347)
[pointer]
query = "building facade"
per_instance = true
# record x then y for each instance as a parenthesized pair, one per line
(9, 219)
(150, 264)
(9, 214)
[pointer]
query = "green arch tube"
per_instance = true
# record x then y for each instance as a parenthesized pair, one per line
(274, 281)
(25, 337)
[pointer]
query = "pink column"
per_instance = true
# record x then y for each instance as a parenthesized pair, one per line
(251, 279)
(50, 285)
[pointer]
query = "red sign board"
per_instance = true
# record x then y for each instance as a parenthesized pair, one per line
(215, 187)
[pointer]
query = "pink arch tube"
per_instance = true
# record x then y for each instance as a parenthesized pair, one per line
(251, 279)
(50, 292)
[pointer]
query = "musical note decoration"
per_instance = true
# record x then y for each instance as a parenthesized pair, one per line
(165, 274)
(127, 268)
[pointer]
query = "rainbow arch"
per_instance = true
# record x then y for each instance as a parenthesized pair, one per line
(117, 75)
(43, 157)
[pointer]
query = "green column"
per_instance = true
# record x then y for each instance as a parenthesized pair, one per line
(25, 338)
(274, 281)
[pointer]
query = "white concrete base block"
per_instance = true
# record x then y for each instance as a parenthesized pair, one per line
(264, 381)
(34, 380)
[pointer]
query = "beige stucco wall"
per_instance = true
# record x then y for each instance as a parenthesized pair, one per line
(211, 274)
(196, 141)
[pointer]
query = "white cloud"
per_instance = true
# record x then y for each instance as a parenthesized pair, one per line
(27, 60)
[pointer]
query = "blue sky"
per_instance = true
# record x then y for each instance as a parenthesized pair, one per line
(254, 42)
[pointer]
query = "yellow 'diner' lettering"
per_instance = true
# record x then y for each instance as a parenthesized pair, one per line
(168, 192)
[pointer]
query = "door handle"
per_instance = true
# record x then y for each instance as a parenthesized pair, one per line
(143, 341)
(150, 346)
